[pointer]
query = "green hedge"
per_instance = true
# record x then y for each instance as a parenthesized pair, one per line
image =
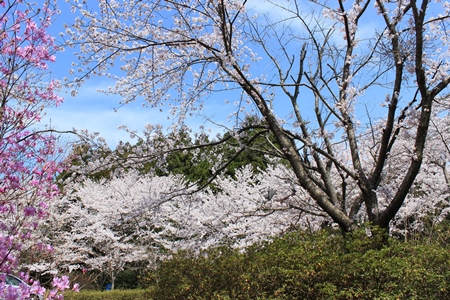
(303, 266)
(137, 294)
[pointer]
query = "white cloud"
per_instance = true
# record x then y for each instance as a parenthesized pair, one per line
(94, 111)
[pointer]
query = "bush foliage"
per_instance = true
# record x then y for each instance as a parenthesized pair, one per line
(323, 265)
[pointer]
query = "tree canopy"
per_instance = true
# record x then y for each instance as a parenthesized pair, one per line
(335, 83)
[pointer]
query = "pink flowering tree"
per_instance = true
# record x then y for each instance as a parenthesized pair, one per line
(29, 155)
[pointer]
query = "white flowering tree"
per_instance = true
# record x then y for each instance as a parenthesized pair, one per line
(324, 76)
(252, 207)
(106, 224)
(427, 203)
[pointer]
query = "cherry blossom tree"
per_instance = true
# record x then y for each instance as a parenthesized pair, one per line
(428, 203)
(316, 71)
(106, 224)
(29, 157)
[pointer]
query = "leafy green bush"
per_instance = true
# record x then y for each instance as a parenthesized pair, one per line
(301, 266)
(109, 295)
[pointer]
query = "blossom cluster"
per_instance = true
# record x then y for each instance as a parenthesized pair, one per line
(29, 158)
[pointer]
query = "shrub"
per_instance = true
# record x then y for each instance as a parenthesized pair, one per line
(302, 266)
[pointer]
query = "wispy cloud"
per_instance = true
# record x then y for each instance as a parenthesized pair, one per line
(93, 111)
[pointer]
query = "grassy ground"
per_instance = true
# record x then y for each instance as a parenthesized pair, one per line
(136, 294)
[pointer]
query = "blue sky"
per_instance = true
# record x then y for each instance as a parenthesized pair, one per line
(96, 112)
(90, 109)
